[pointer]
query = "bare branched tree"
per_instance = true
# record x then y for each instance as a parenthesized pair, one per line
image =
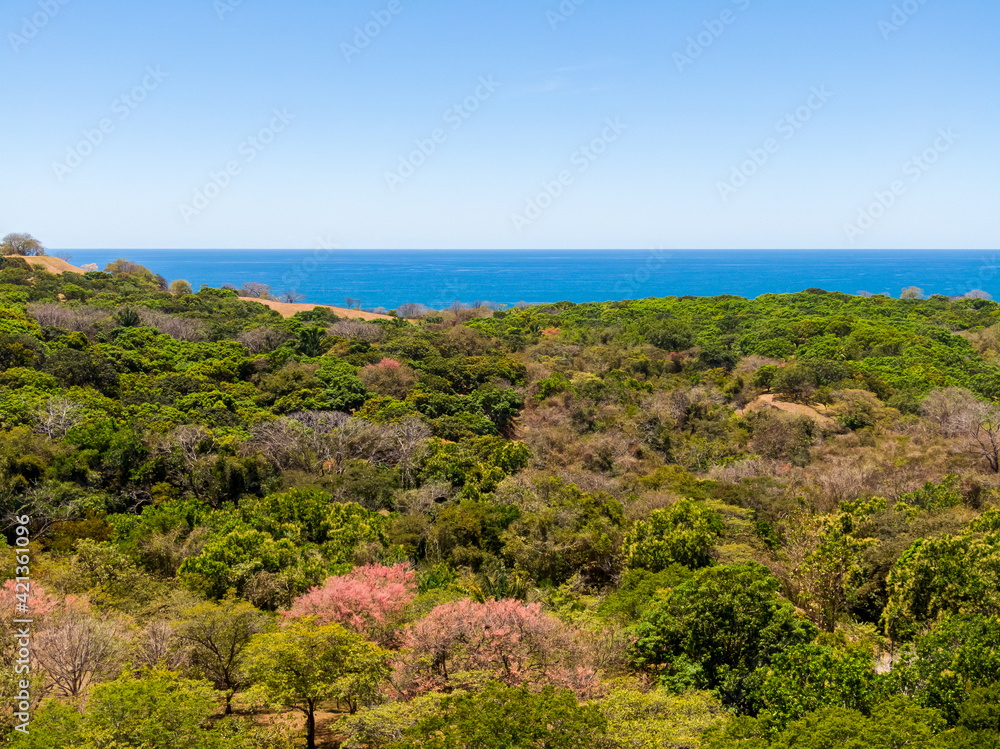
(56, 416)
(354, 329)
(411, 309)
(157, 645)
(176, 327)
(282, 442)
(263, 340)
(958, 413)
(255, 290)
(409, 435)
(80, 649)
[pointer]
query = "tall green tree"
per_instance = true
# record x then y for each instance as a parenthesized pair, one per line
(716, 630)
(303, 666)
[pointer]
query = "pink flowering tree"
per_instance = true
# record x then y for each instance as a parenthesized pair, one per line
(459, 643)
(370, 600)
(40, 605)
(389, 378)
(39, 602)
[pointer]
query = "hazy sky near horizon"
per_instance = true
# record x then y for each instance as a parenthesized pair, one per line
(447, 124)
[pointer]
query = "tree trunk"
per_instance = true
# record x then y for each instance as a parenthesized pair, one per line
(311, 728)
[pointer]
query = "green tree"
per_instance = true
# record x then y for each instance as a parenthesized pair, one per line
(21, 244)
(180, 287)
(805, 678)
(302, 666)
(148, 710)
(943, 667)
(218, 635)
(947, 574)
(683, 534)
(503, 717)
(824, 554)
(716, 630)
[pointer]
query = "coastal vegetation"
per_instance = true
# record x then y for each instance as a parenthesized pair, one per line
(660, 523)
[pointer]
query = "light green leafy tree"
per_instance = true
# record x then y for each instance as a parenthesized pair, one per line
(683, 534)
(824, 554)
(303, 666)
(218, 635)
(150, 710)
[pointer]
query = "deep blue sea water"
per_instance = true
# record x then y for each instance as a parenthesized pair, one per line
(384, 278)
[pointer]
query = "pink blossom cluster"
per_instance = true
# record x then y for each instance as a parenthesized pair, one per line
(509, 641)
(370, 600)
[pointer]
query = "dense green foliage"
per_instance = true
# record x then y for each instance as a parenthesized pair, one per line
(660, 523)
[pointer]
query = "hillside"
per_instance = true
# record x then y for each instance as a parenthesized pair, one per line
(680, 522)
(53, 264)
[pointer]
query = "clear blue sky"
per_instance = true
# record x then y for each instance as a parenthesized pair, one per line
(664, 176)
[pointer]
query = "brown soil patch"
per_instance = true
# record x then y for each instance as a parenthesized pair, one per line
(798, 409)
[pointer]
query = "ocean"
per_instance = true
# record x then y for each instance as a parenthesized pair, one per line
(389, 278)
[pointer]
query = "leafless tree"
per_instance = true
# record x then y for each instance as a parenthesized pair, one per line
(411, 309)
(292, 297)
(255, 290)
(409, 435)
(957, 412)
(357, 439)
(984, 436)
(355, 329)
(80, 649)
(176, 327)
(78, 319)
(56, 416)
(186, 449)
(263, 340)
(317, 425)
(953, 410)
(282, 442)
(157, 645)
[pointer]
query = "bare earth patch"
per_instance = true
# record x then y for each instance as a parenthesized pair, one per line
(765, 401)
(288, 310)
(53, 265)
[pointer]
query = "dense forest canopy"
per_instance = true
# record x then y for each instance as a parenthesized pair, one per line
(681, 522)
